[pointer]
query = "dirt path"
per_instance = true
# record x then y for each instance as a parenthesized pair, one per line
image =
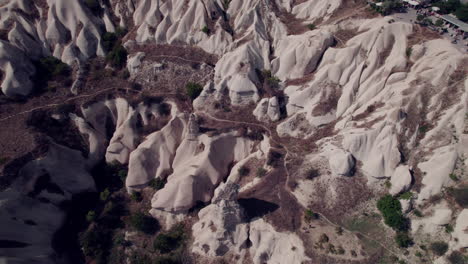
(323, 217)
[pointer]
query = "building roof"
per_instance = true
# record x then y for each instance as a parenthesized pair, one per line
(455, 21)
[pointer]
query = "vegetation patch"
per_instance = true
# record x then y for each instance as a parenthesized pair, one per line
(403, 240)
(261, 172)
(309, 215)
(144, 223)
(158, 183)
(171, 240)
(460, 195)
(390, 208)
(406, 196)
(47, 69)
(193, 90)
(439, 248)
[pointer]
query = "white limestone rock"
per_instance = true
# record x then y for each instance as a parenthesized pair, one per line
(134, 62)
(221, 227)
(267, 110)
(401, 180)
(298, 55)
(198, 167)
(460, 230)
(341, 163)
(274, 247)
(436, 171)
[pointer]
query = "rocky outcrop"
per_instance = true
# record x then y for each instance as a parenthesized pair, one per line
(267, 110)
(221, 228)
(459, 234)
(341, 163)
(271, 246)
(401, 180)
(198, 167)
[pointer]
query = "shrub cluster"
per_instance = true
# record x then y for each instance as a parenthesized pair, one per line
(439, 248)
(193, 90)
(144, 223)
(390, 208)
(158, 183)
(171, 240)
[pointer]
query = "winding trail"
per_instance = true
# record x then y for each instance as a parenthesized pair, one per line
(323, 217)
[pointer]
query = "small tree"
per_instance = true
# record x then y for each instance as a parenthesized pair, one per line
(122, 175)
(117, 56)
(205, 30)
(309, 215)
(136, 196)
(391, 212)
(157, 183)
(403, 240)
(167, 242)
(193, 90)
(261, 172)
(439, 248)
(409, 50)
(449, 228)
(243, 171)
(457, 258)
(311, 26)
(462, 13)
(91, 216)
(439, 22)
(104, 195)
(144, 223)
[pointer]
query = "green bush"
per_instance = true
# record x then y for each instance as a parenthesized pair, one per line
(94, 6)
(447, 7)
(390, 208)
(406, 195)
(136, 196)
(417, 213)
(205, 30)
(95, 242)
(403, 240)
(243, 171)
(226, 4)
(448, 228)
(91, 216)
(439, 248)
(309, 215)
(453, 177)
(48, 68)
(157, 183)
(117, 56)
(171, 240)
(261, 172)
(109, 40)
(122, 175)
(457, 258)
(409, 51)
(193, 90)
(144, 223)
(439, 22)
(104, 195)
(311, 26)
(461, 196)
(462, 13)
